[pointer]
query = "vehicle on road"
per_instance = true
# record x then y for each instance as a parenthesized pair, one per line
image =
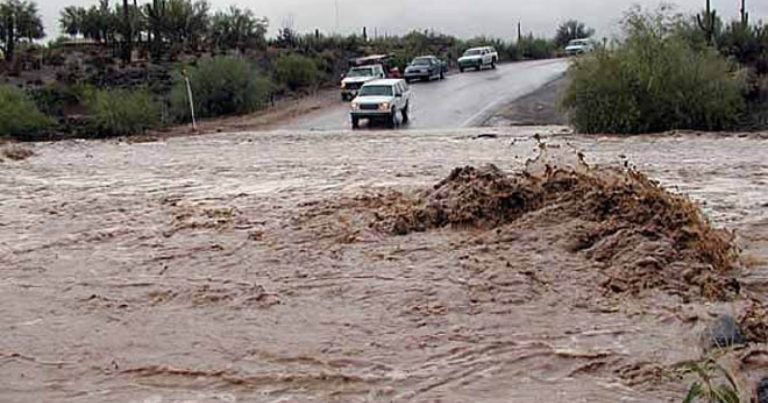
(426, 68)
(364, 69)
(579, 47)
(356, 77)
(382, 100)
(478, 58)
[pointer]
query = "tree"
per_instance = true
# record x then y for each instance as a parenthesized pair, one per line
(19, 19)
(238, 29)
(571, 30)
(181, 23)
(126, 31)
(187, 22)
(99, 23)
(71, 20)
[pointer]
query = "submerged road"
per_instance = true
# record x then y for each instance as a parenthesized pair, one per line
(461, 100)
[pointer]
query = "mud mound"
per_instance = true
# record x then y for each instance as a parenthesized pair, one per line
(16, 153)
(471, 197)
(642, 235)
(754, 322)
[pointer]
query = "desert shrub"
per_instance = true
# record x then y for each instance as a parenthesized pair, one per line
(746, 44)
(220, 86)
(296, 71)
(51, 99)
(19, 116)
(120, 112)
(654, 81)
(536, 48)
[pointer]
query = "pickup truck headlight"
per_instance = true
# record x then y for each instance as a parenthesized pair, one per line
(343, 85)
(355, 106)
(384, 106)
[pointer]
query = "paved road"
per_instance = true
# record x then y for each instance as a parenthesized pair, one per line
(461, 100)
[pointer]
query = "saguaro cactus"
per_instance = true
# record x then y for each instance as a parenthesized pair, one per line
(744, 13)
(708, 22)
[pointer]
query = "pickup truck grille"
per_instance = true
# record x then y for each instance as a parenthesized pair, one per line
(369, 107)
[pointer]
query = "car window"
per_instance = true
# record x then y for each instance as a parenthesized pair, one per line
(473, 52)
(361, 72)
(422, 61)
(376, 90)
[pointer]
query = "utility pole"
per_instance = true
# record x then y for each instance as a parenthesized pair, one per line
(336, 6)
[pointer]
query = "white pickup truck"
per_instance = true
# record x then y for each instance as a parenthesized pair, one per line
(382, 100)
(357, 76)
(477, 58)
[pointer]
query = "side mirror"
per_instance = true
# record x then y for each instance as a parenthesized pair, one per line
(399, 95)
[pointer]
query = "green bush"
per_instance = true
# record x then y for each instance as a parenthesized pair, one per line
(121, 112)
(654, 81)
(52, 99)
(536, 48)
(220, 86)
(296, 71)
(19, 116)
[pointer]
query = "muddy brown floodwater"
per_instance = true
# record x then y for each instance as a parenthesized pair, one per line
(283, 267)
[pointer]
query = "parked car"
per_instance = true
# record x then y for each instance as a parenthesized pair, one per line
(382, 100)
(477, 58)
(579, 47)
(426, 68)
(356, 77)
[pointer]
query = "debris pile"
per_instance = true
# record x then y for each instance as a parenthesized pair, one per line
(638, 233)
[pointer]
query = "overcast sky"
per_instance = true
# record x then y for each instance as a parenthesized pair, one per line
(465, 18)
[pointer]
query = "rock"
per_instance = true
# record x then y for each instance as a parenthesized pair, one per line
(487, 136)
(762, 391)
(724, 332)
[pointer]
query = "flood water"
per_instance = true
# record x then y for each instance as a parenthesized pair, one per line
(198, 269)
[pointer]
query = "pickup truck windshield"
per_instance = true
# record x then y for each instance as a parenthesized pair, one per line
(578, 43)
(376, 91)
(422, 62)
(475, 52)
(360, 73)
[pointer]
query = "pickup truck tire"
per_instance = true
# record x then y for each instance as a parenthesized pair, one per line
(405, 113)
(392, 122)
(493, 64)
(355, 123)
(478, 67)
(461, 69)
(442, 75)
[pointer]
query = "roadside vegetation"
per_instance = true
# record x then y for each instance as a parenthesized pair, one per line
(221, 86)
(19, 116)
(134, 52)
(673, 72)
(119, 112)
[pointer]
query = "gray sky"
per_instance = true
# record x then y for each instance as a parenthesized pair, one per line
(463, 18)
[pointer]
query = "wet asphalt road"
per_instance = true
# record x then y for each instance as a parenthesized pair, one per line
(461, 100)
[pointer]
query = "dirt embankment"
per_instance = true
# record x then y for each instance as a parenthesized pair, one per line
(539, 108)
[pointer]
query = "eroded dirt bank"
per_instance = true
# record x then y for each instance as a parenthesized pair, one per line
(293, 267)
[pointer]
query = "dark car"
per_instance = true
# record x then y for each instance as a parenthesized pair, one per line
(426, 68)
